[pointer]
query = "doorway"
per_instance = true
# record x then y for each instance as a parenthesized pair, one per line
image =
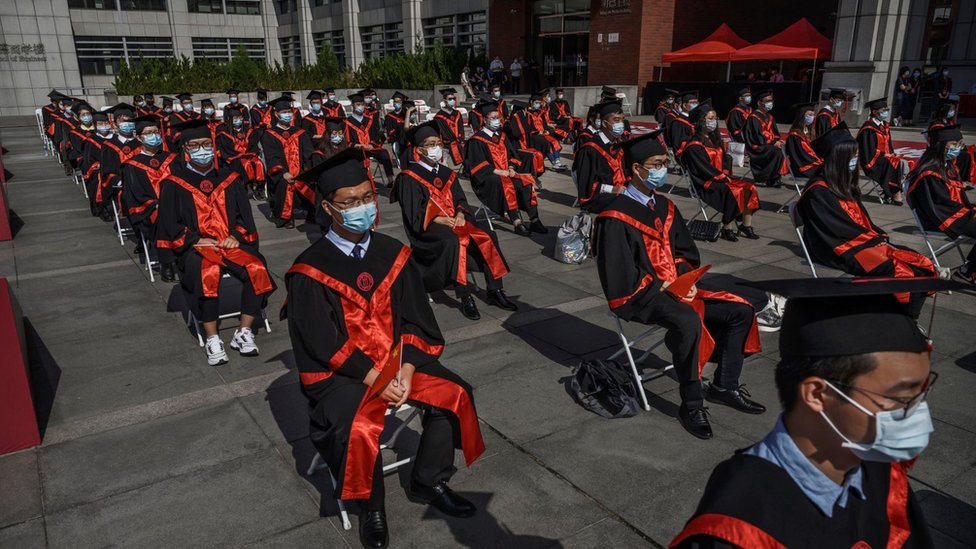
(562, 37)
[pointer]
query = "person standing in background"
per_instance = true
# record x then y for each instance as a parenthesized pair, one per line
(516, 72)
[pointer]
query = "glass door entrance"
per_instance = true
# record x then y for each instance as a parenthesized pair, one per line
(561, 46)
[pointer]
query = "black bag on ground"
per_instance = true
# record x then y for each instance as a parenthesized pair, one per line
(605, 388)
(704, 230)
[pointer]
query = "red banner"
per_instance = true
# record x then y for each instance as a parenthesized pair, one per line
(18, 422)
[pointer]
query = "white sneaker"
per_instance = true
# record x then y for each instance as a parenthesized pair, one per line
(215, 351)
(243, 342)
(768, 320)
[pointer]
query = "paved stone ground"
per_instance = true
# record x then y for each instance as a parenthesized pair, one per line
(146, 445)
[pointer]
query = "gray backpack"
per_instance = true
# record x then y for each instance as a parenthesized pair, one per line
(573, 239)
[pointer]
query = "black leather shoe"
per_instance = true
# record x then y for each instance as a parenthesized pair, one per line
(138, 249)
(748, 232)
(521, 229)
(373, 530)
(441, 497)
(469, 308)
(695, 421)
(728, 234)
(775, 184)
(737, 398)
(500, 300)
(537, 227)
(167, 272)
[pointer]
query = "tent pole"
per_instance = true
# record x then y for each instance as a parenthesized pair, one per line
(813, 74)
(728, 73)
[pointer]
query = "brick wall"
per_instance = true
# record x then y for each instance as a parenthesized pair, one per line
(506, 30)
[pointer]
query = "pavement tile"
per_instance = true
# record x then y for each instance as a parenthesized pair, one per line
(606, 533)
(950, 518)
(19, 475)
(24, 535)
(321, 532)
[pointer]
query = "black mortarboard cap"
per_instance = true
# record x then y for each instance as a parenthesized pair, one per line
(232, 110)
(689, 95)
(77, 106)
(837, 93)
(206, 101)
(448, 91)
(345, 169)
(607, 90)
(122, 109)
(800, 107)
(335, 124)
(419, 133)
(233, 91)
(262, 92)
(356, 98)
(765, 93)
(849, 316)
(167, 101)
(823, 144)
(329, 90)
(314, 94)
(486, 107)
(99, 116)
(745, 91)
(55, 95)
(879, 103)
(281, 103)
(196, 128)
(609, 107)
(149, 95)
(289, 95)
(945, 133)
(537, 95)
(701, 111)
(518, 105)
(184, 96)
(399, 94)
(146, 121)
(671, 92)
(642, 147)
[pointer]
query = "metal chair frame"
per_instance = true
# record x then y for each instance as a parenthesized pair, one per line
(934, 252)
(625, 346)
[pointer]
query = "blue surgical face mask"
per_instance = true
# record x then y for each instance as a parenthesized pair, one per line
(358, 109)
(894, 439)
(86, 119)
(238, 122)
(451, 103)
(768, 105)
(808, 119)
(104, 130)
(711, 125)
(884, 116)
(537, 105)
(617, 129)
(127, 127)
(497, 94)
(747, 100)
(331, 98)
(153, 140)
(397, 106)
(495, 123)
(202, 156)
(336, 139)
(167, 110)
(188, 107)
(233, 100)
(315, 107)
(208, 111)
(656, 178)
(916, 74)
(285, 116)
(358, 220)
(263, 102)
(852, 165)
(953, 152)
(951, 113)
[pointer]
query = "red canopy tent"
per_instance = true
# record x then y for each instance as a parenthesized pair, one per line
(798, 41)
(718, 46)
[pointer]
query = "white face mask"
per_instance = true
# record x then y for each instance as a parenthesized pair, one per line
(434, 154)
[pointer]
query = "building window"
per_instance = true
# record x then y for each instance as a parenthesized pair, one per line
(223, 49)
(125, 5)
(465, 29)
(372, 38)
(244, 7)
(319, 3)
(104, 54)
(336, 40)
(205, 6)
(287, 6)
(291, 50)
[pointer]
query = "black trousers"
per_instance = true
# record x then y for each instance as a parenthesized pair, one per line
(476, 258)
(382, 156)
(251, 303)
(727, 322)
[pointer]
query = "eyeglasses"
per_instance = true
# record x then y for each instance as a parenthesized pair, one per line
(197, 145)
(655, 165)
(367, 198)
(150, 132)
(907, 405)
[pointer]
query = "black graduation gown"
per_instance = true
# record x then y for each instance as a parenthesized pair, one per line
(826, 119)
(396, 135)
(314, 125)
(450, 124)
(596, 164)
(873, 144)
(333, 355)
(260, 116)
(661, 114)
(523, 130)
(840, 234)
(966, 161)
(177, 117)
(90, 163)
(942, 204)
(437, 248)
(179, 227)
(735, 122)
(143, 175)
(77, 139)
(803, 160)
(233, 143)
(500, 194)
(713, 185)
(760, 135)
(113, 154)
(286, 151)
(751, 502)
(333, 109)
(680, 131)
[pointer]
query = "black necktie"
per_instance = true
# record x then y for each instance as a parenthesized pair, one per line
(357, 251)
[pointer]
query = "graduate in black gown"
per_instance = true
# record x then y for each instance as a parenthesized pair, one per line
(501, 181)
(92, 157)
(642, 246)
(143, 175)
(560, 114)
(938, 196)
(205, 221)
(365, 339)
(364, 130)
(598, 164)
(710, 170)
(829, 114)
(763, 143)
(877, 154)
(113, 154)
(803, 159)
(946, 116)
(735, 121)
(287, 153)
(664, 106)
(590, 127)
(394, 123)
(79, 134)
(837, 229)
(314, 122)
(451, 125)
(331, 106)
(261, 113)
(833, 472)
(448, 241)
(680, 129)
(238, 141)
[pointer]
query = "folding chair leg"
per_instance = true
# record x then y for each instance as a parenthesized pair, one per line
(344, 516)
(118, 222)
(633, 366)
(148, 257)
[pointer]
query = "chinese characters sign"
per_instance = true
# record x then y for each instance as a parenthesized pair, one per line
(614, 7)
(22, 53)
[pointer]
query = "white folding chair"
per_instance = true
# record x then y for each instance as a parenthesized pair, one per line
(626, 344)
(346, 105)
(151, 263)
(796, 185)
(625, 103)
(948, 243)
(488, 215)
(45, 142)
(119, 229)
(682, 172)
(196, 326)
(798, 228)
(318, 463)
